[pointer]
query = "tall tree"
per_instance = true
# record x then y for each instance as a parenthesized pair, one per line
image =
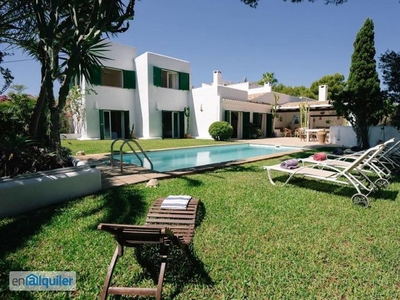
(13, 23)
(390, 67)
(269, 77)
(361, 100)
(6, 74)
(67, 38)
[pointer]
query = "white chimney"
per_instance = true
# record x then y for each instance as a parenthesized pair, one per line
(217, 78)
(268, 87)
(323, 93)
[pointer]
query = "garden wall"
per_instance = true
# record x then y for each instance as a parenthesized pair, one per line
(28, 192)
(345, 135)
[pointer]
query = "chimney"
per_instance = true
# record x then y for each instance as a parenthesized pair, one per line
(323, 93)
(268, 87)
(217, 78)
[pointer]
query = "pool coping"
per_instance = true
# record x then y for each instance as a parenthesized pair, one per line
(112, 175)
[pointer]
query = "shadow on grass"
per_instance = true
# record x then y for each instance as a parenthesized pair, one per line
(14, 233)
(120, 205)
(183, 267)
(332, 188)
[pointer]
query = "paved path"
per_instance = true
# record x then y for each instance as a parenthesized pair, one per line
(130, 174)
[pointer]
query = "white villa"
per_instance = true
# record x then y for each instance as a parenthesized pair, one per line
(151, 91)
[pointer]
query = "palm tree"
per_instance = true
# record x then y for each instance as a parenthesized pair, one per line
(67, 38)
(270, 78)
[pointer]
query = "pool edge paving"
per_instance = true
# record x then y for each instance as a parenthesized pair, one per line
(131, 174)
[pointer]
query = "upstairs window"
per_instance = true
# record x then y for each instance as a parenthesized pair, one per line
(170, 79)
(113, 77)
(110, 77)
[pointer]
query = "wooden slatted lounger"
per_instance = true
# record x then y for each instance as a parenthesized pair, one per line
(163, 227)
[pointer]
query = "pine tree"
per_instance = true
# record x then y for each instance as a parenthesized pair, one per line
(361, 100)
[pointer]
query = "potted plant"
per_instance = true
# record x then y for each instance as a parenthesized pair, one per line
(132, 131)
(186, 110)
(255, 131)
(322, 136)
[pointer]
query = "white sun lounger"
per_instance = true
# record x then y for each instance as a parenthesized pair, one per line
(371, 164)
(344, 176)
(386, 161)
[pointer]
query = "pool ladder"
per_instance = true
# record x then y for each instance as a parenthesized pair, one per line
(129, 143)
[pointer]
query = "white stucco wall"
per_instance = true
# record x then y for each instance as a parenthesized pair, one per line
(206, 103)
(345, 136)
(141, 105)
(155, 99)
(28, 192)
(215, 100)
(111, 98)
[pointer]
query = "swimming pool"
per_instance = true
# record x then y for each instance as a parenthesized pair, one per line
(176, 159)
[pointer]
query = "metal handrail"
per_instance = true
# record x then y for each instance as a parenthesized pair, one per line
(112, 151)
(127, 142)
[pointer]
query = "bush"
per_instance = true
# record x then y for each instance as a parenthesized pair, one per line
(220, 131)
(20, 155)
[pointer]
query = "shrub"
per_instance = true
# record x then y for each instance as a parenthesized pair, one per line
(20, 155)
(220, 131)
(16, 110)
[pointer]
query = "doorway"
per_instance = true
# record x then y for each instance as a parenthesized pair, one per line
(114, 124)
(172, 124)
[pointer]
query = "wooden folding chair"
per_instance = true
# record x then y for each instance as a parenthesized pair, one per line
(164, 227)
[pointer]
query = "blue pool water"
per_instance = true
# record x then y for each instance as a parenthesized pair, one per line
(170, 160)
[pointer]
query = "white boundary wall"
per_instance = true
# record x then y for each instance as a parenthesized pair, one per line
(24, 193)
(345, 136)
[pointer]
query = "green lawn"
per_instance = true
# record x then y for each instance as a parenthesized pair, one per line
(104, 146)
(256, 241)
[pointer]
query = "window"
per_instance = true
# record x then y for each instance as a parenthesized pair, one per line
(110, 77)
(170, 79)
(113, 77)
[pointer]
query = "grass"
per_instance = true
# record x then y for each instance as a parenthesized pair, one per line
(256, 241)
(104, 146)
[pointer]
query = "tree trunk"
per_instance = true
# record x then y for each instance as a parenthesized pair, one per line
(38, 109)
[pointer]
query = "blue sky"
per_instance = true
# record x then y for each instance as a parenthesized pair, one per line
(300, 43)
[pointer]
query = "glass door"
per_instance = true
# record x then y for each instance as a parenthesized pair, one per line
(175, 125)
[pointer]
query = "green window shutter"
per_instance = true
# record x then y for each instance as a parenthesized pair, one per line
(127, 126)
(156, 76)
(183, 81)
(256, 119)
(246, 125)
(228, 116)
(101, 118)
(129, 79)
(95, 73)
(270, 129)
(181, 124)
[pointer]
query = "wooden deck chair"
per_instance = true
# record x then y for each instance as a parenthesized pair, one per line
(344, 176)
(163, 227)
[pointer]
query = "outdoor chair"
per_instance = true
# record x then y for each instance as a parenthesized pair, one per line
(287, 132)
(165, 226)
(302, 134)
(370, 165)
(385, 162)
(352, 175)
